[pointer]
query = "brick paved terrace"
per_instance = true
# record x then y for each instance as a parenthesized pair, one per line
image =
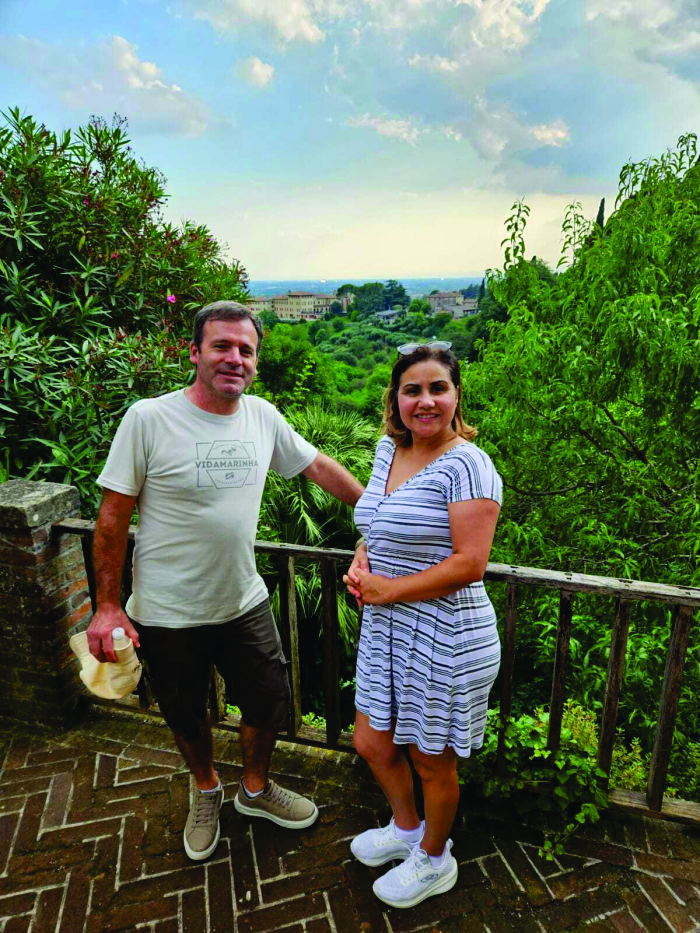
(91, 824)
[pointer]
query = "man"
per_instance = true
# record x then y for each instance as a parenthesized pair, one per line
(195, 462)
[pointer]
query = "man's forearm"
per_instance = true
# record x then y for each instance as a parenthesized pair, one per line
(335, 479)
(109, 550)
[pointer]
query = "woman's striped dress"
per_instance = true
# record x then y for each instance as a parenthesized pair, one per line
(431, 664)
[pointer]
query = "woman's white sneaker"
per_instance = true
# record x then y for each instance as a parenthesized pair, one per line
(379, 846)
(415, 879)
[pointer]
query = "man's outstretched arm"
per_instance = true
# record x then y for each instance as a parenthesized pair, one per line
(334, 478)
(109, 551)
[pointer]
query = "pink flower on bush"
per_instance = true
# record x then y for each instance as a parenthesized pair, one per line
(172, 299)
(115, 255)
(86, 201)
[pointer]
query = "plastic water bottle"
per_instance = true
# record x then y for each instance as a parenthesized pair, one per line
(110, 679)
(122, 644)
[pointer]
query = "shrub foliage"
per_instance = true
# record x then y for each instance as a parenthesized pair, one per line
(588, 398)
(96, 294)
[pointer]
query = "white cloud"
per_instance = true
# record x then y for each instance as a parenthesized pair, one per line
(507, 23)
(556, 133)
(655, 30)
(437, 64)
(289, 20)
(106, 77)
(495, 131)
(403, 15)
(452, 133)
(649, 14)
(256, 72)
(337, 68)
(393, 129)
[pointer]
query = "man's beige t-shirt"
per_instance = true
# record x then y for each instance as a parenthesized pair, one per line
(199, 479)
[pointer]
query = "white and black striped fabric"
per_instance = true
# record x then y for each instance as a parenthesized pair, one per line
(428, 665)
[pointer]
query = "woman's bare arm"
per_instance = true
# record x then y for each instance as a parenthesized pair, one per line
(472, 526)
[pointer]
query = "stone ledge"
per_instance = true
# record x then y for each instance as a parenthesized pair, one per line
(26, 504)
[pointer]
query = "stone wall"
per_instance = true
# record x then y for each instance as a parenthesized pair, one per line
(44, 599)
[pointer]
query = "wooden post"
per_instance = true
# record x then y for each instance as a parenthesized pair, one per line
(86, 544)
(145, 694)
(329, 610)
(668, 707)
(507, 665)
(290, 638)
(217, 696)
(128, 571)
(616, 665)
(556, 706)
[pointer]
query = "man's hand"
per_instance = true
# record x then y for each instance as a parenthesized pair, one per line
(350, 579)
(99, 633)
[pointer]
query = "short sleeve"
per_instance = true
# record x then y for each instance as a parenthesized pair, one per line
(291, 453)
(125, 468)
(472, 475)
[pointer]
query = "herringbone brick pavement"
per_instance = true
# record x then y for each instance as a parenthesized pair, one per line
(91, 842)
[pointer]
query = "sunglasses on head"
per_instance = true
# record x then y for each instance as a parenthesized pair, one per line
(407, 348)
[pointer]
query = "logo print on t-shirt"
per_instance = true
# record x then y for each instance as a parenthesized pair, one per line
(224, 464)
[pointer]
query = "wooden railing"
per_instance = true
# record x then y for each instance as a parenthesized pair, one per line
(624, 593)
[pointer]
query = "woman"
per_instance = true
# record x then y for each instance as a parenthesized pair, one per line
(429, 649)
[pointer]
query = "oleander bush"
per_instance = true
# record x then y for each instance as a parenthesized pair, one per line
(96, 294)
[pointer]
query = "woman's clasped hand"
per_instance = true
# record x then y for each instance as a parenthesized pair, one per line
(368, 588)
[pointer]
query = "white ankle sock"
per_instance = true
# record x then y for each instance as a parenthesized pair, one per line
(437, 860)
(250, 794)
(212, 791)
(410, 835)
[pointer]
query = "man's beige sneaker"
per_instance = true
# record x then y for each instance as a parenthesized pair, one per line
(283, 807)
(201, 834)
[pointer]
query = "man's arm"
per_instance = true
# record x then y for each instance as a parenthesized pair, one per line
(109, 551)
(334, 478)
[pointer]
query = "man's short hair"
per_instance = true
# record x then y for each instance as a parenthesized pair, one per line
(224, 311)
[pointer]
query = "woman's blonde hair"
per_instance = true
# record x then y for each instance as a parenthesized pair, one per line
(393, 425)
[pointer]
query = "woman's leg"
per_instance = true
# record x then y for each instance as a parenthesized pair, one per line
(438, 774)
(390, 768)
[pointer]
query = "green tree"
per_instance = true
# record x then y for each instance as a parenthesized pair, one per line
(269, 319)
(587, 397)
(419, 305)
(319, 331)
(440, 321)
(369, 299)
(395, 294)
(283, 357)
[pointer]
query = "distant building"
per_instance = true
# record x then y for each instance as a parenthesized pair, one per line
(322, 303)
(444, 301)
(299, 306)
(295, 306)
(258, 304)
(390, 314)
(468, 307)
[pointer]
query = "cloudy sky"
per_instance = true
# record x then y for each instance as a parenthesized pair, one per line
(377, 138)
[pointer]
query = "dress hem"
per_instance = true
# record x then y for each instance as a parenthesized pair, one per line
(461, 754)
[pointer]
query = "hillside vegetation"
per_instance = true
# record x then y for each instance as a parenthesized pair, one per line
(584, 385)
